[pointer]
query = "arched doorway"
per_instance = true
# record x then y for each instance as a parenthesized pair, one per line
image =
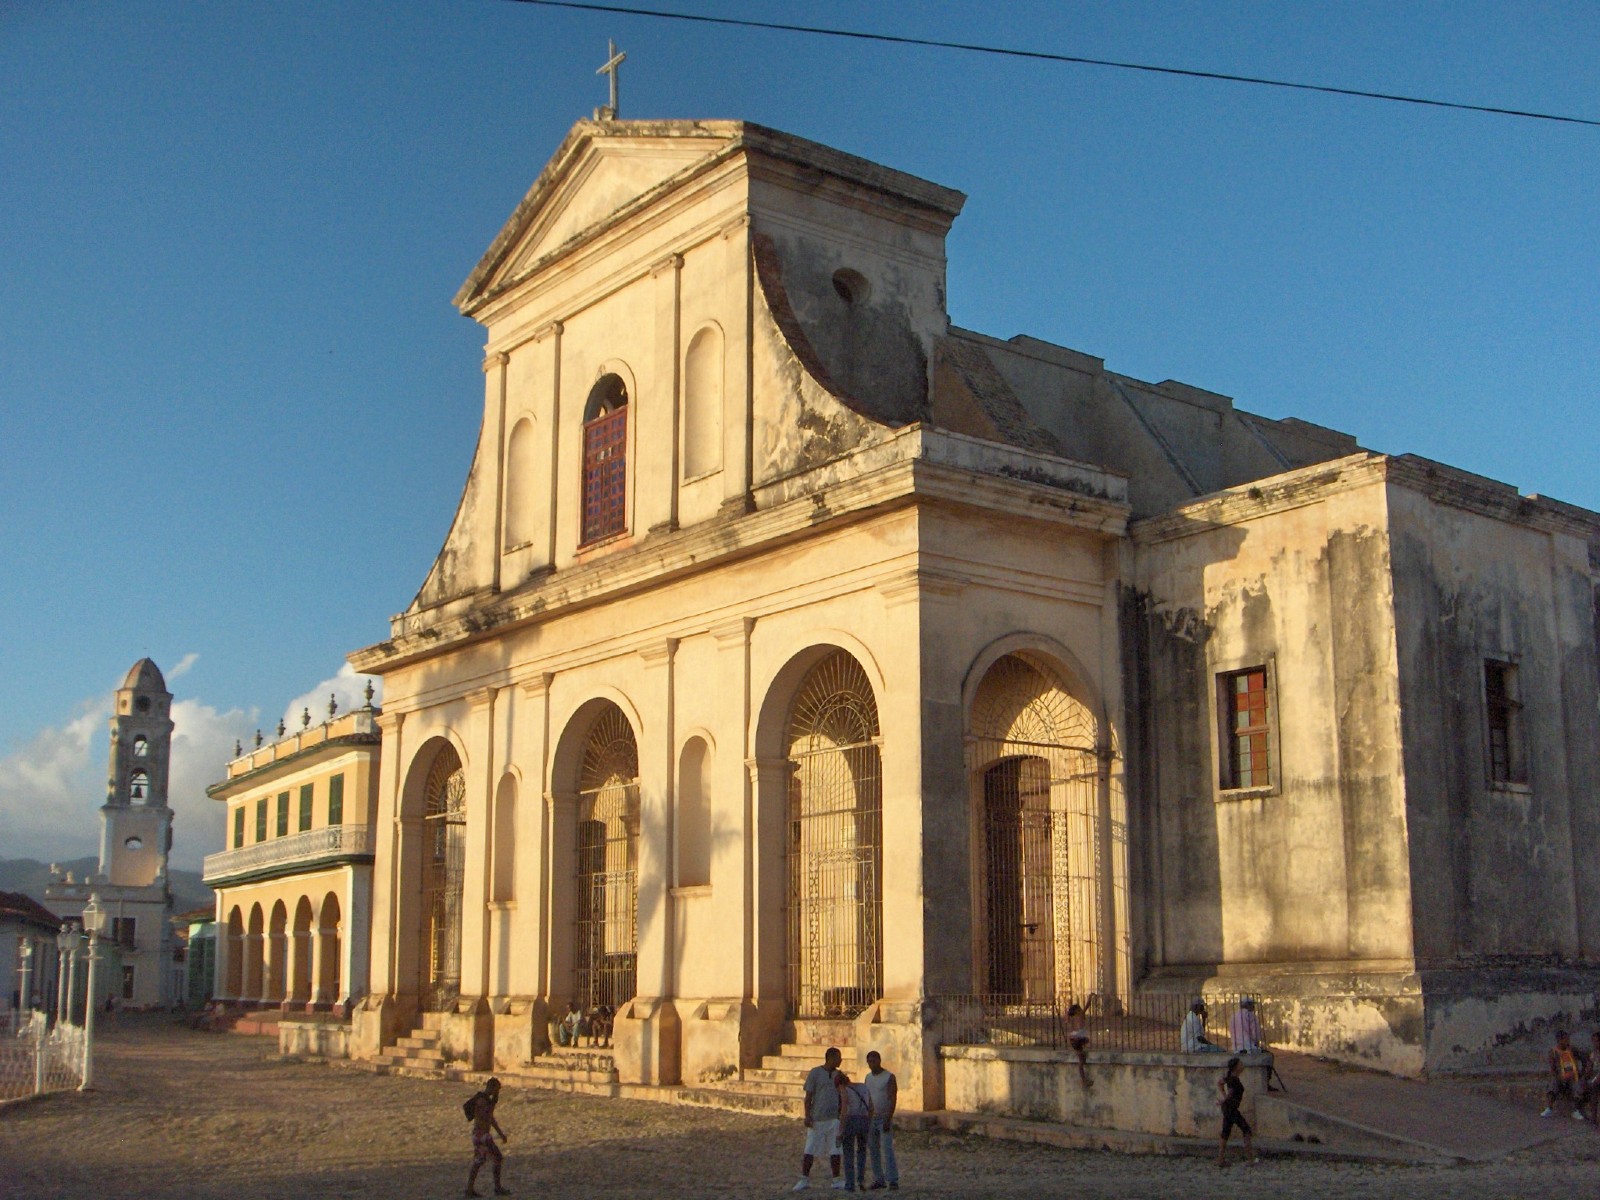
(1038, 775)
(835, 842)
(605, 943)
(444, 860)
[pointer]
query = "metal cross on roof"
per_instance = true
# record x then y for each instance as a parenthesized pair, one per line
(612, 68)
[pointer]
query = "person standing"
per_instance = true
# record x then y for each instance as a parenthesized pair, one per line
(1566, 1075)
(822, 1119)
(855, 1123)
(1230, 1095)
(484, 1127)
(884, 1091)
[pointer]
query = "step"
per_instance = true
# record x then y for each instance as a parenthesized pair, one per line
(736, 1098)
(422, 1040)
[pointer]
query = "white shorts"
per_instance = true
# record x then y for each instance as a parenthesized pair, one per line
(822, 1139)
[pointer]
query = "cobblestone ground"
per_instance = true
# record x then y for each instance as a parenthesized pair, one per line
(197, 1116)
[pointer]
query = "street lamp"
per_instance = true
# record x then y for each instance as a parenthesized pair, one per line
(94, 924)
(65, 941)
(26, 951)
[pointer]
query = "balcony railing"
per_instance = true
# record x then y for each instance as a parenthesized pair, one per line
(314, 845)
(359, 721)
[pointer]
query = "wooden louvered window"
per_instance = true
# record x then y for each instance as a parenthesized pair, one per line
(1247, 733)
(605, 461)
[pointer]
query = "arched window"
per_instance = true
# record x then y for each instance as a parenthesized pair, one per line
(141, 747)
(605, 460)
(694, 814)
(519, 484)
(835, 842)
(504, 883)
(139, 787)
(702, 404)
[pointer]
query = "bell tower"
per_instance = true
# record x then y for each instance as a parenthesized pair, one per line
(136, 824)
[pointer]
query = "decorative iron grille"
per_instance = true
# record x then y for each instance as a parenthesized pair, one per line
(605, 475)
(835, 842)
(606, 943)
(1039, 835)
(1152, 1022)
(444, 862)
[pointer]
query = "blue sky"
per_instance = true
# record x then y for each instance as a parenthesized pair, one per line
(237, 407)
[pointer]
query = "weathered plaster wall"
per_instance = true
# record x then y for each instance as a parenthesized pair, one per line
(1500, 869)
(1312, 869)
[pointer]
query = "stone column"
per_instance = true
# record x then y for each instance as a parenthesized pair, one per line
(296, 987)
(494, 434)
(320, 1000)
(561, 826)
(480, 784)
(738, 412)
(558, 516)
(254, 979)
(660, 513)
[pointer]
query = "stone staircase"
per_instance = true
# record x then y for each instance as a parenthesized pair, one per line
(584, 1071)
(416, 1054)
(777, 1086)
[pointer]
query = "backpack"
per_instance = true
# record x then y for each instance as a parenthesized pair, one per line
(470, 1106)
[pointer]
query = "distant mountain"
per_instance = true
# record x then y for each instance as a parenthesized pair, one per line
(30, 877)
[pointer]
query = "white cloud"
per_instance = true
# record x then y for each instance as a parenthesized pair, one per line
(347, 687)
(202, 743)
(184, 663)
(52, 787)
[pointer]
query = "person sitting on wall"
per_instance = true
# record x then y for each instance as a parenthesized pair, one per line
(570, 1027)
(602, 1018)
(1193, 1039)
(1567, 1070)
(1244, 1029)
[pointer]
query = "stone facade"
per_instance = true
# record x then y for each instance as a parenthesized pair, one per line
(795, 657)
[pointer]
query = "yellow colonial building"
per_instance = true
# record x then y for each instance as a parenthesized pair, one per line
(294, 885)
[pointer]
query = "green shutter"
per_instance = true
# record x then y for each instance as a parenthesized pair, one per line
(336, 800)
(305, 807)
(238, 827)
(283, 813)
(261, 819)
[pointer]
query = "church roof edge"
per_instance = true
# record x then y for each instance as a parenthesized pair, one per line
(736, 136)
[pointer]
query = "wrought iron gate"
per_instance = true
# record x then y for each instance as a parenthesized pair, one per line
(1038, 801)
(444, 861)
(605, 959)
(835, 902)
(1019, 880)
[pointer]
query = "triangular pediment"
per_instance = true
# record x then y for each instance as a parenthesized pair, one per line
(601, 169)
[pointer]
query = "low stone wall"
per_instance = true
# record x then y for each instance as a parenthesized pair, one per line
(1133, 1091)
(314, 1037)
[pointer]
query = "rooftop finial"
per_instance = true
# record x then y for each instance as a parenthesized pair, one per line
(305, 718)
(369, 693)
(333, 706)
(613, 69)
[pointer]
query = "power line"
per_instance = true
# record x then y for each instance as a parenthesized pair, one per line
(1046, 56)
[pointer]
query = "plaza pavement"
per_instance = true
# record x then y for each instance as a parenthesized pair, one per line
(213, 1116)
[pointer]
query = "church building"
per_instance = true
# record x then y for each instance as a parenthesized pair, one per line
(800, 667)
(135, 839)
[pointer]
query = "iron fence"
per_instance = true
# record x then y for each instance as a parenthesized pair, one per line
(1152, 1022)
(39, 1058)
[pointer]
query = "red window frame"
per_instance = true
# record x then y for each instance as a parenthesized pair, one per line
(605, 475)
(1246, 730)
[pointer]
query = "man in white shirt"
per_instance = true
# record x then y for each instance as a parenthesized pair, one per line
(1193, 1039)
(885, 1092)
(822, 1120)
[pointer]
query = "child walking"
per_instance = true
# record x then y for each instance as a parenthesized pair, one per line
(484, 1127)
(1230, 1094)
